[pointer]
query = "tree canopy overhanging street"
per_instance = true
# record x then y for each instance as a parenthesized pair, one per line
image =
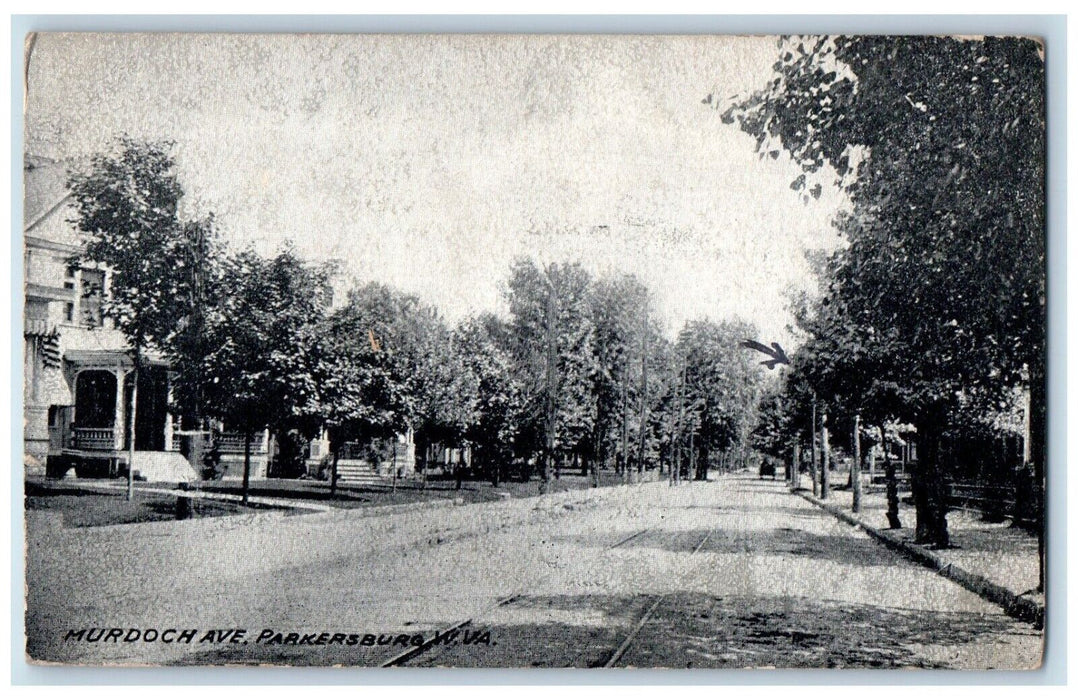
(915, 361)
(933, 310)
(936, 306)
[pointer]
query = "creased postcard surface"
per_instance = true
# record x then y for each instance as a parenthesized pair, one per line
(534, 351)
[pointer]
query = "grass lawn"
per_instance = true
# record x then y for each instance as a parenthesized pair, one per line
(81, 507)
(406, 491)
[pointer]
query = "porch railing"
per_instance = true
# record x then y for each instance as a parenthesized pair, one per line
(179, 435)
(232, 444)
(95, 439)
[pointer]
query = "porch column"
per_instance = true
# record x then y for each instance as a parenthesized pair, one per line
(168, 417)
(118, 421)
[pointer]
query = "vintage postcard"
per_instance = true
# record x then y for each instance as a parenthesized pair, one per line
(534, 350)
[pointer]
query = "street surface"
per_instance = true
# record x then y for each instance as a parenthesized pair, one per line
(775, 583)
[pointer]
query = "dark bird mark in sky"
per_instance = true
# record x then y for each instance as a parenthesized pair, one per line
(775, 352)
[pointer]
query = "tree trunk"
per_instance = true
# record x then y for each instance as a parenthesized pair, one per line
(825, 464)
(333, 472)
(394, 467)
(892, 484)
(795, 474)
(625, 477)
(693, 461)
(246, 465)
(812, 467)
(595, 459)
(893, 520)
(703, 463)
(929, 485)
(1038, 415)
(855, 468)
(131, 428)
(426, 466)
(674, 462)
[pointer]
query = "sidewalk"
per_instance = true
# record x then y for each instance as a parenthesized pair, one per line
(316, 501)
(294, 503)
(994, 560)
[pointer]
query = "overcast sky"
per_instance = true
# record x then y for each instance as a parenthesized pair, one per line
(431, 162)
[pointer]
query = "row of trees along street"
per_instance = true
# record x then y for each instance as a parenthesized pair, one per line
(932, 313)
(928, 324)
(579, 375)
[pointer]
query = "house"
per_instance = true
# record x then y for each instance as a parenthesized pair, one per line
(77, 385)
(364, 462)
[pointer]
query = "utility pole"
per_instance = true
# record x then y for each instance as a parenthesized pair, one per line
(812, 469)
(795, 474)
(692, 451)
(855, 468)
(675, 470)
(131, 429)
(625, 430)
(196, 448)
(643, 392)
(825, 467)
(551, 383)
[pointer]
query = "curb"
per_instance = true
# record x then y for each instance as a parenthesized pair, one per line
(1013, 604)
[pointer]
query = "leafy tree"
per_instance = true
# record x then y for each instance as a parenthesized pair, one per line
(371, 368)
(939, 143)
(552, 345)
(263, 330)
(481, 343)
(720, 388)
(444, 388)
(627, 344)
(126, 204)
(771, 434)
(187, 346)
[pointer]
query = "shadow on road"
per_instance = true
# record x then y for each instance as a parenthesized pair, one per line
(697, 630)
(842, 549)
(687, 630)
(998, 539)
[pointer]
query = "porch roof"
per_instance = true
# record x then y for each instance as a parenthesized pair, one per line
(109, 359)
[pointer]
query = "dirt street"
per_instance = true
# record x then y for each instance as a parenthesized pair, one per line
(775, 583)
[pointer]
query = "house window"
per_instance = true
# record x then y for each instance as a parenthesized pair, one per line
(69, 307)
(93, 292)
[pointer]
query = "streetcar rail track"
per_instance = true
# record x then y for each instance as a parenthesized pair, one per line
(631, 637)
(438, 637)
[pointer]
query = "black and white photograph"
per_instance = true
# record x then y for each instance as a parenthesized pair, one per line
(517, 351)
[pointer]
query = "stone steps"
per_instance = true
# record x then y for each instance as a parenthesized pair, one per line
(163, 466)
(358, 473)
